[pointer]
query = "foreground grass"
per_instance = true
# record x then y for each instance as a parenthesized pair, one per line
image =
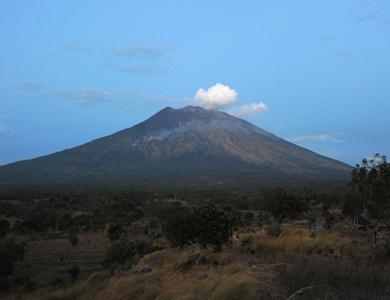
(300, 241)
(291, 266)
(170, 274)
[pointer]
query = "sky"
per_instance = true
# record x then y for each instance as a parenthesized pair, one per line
(316, 73)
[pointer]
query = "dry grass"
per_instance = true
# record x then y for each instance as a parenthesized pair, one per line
(49, 260)
(299, 241)
(291, 267)
(212, 278)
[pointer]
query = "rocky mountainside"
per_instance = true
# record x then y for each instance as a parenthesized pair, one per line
(183, 148)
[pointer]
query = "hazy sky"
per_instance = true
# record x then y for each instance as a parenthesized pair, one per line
(314, 72)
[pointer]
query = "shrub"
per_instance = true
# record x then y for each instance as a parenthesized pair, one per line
(282, 203)
(215, 226)
(207, 225)
(180, 227)
(10, 252)
(121, 253)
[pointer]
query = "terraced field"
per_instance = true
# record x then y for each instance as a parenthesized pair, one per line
(48, 261)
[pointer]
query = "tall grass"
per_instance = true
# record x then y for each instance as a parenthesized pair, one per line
(290, 267)
(300, 241)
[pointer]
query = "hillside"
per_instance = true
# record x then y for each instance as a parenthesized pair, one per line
(181, 148)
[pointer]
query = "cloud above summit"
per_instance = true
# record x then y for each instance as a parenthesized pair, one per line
(221, 95)
(248, 110)
(216, 97)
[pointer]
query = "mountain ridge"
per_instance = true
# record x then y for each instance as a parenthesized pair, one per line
(189, 146)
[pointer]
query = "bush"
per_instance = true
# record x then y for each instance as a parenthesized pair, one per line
(180, 227)
(215, 226)
(10, 252)
(281, 203)
(121, 253)
(207, 225)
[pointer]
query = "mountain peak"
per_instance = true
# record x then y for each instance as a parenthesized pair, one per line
(192, 108)
(185, 109)
(185, 147)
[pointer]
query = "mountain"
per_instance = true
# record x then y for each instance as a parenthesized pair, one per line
(181, 148)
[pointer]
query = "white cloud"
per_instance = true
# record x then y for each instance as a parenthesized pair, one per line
(249, 109)
(323, 137)
(216, 96)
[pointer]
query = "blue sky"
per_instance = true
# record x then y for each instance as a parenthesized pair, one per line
(72, 71)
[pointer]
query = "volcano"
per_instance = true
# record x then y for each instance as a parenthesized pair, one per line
(186, 148)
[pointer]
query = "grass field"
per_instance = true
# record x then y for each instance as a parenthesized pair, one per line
(295, 265)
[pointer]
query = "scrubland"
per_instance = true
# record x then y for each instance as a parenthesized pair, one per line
(294, 265)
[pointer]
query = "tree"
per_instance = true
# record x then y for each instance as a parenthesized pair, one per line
(215, 225)
(370, 184)
(282, 203)
(121, 253)
(180, 227)
(207, 225)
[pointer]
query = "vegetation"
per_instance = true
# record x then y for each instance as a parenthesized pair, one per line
(10, 252)
(121, 254)
(275, 243)
(207, 225)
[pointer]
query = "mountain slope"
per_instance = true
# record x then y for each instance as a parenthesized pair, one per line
(188, 147)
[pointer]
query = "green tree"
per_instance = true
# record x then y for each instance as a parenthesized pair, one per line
(208, 225)
(214, 225)
(121, 253)
(180, 227)
(282, 203)
(370, 184)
